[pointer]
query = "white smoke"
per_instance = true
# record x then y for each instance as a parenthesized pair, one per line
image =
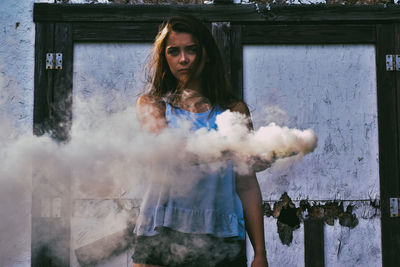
(112, 149)
(234, 139)
(109, 156)
(108, 153)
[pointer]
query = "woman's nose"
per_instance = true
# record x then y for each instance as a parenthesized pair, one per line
(183, 59)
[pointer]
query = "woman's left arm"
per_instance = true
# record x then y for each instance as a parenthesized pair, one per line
(249, 193)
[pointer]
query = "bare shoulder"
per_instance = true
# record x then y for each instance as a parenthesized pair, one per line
(239, 106)
(148, 101)
(151, 113)
(145, 100)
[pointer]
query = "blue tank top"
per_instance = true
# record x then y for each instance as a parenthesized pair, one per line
(208, 204)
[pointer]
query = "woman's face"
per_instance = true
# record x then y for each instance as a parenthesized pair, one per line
(180, 52)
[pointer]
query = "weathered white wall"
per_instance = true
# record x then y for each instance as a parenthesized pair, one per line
(17, 38)
(331, 89)
(111, 71)
(115, 81)
(17, 35)
(279, 254)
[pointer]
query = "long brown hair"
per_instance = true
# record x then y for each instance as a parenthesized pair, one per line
(163, 84)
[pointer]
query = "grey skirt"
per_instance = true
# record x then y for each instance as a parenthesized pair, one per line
(175, 249)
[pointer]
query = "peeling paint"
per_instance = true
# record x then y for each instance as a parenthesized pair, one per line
(289, 216)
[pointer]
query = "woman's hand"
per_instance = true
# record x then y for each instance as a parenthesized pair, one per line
(260, 261)
(258, 164)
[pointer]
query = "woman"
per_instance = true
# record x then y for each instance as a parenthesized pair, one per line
(205, 226)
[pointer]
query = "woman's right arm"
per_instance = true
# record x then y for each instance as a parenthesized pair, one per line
(151, 114)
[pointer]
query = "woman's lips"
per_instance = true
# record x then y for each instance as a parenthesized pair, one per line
(183, 70)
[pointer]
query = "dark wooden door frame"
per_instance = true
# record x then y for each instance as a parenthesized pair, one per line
(58, 26)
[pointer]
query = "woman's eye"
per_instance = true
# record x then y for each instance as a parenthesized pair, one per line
(173, 52)
(192, 50)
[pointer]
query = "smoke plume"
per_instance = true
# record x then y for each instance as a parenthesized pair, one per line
(109, 156)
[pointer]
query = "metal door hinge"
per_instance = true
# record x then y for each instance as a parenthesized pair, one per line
(394, 207)
(392, 62)
(54, 61)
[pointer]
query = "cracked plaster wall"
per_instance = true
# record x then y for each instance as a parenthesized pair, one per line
(17, 35)
(332, 90)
